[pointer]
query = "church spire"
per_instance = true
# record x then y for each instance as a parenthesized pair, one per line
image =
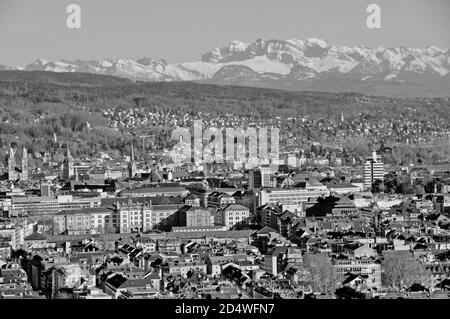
(24, 175)
(67, 171)
(68, 153)
(12, 164)
(132, 163)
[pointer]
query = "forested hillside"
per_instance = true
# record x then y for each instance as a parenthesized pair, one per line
(95, 112)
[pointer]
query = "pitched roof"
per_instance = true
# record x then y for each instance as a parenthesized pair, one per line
(236, 207)
(158, 189)
(266, 230)
(121, 200)
(86, 211)
(341, 185)
(36, 236)
(166, 207)
(352, 277)
(191, 196)
(210, 233)
(287, 214)
(197, 208)
(153, 276)
(116, 281)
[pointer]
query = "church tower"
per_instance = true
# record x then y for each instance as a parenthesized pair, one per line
(24, 176)
(12, 176)
(67, 171)
(132, 163)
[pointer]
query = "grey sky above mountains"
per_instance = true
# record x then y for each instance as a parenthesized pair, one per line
(181, 31)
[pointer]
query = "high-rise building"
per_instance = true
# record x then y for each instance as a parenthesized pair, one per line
(67, 171)
(259, 178)
(373, 170)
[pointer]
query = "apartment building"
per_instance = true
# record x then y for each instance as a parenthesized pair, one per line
(82, 221)
(365, 267)
(195, 217)
(234, 214)
(134, 217)
(220, 200)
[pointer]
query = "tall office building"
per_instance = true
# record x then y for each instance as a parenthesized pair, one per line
(259, 178)
(373, 170)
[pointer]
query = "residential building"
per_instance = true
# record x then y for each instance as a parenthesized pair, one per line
(363, 266)
(73, 222)
(234, 214)
(192, 200)
(195, 217)
(220, 200)
(134, 217)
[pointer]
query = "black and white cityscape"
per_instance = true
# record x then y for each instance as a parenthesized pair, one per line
(308, 160)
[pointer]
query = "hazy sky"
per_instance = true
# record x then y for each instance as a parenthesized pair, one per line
(183, 30)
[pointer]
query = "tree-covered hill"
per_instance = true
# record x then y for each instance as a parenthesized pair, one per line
(83, 79)
(98, 112)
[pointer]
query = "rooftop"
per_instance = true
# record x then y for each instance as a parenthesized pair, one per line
(35, 236)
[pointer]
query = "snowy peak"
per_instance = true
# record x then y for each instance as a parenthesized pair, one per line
(143, 69)
(290, 63)
(281, 57)
(316, 43)
(320, 56)
(58, 66)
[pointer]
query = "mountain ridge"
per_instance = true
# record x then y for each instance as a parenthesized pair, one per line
(292, 64)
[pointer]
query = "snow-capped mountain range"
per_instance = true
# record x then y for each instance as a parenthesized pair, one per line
(311, 64)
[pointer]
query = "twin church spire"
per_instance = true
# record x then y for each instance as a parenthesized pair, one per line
(14, 173)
